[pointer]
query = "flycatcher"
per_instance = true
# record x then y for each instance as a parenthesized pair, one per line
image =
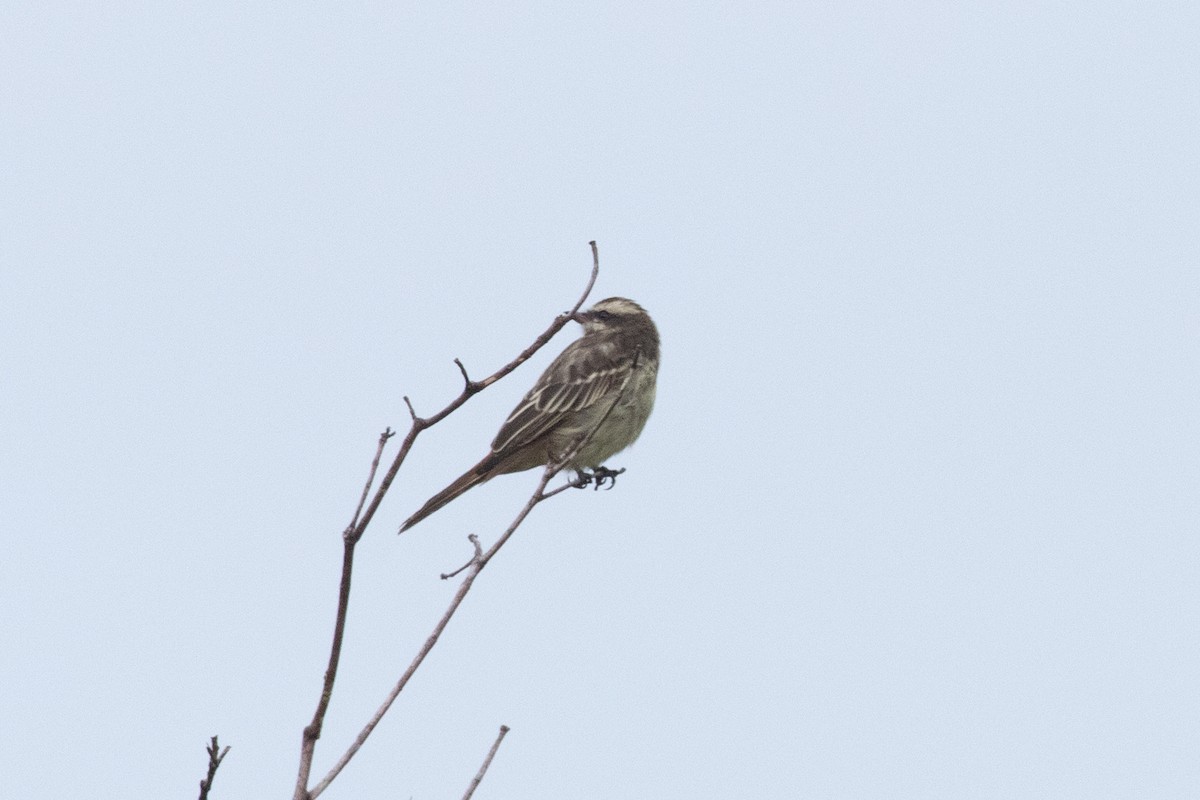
(601, 387)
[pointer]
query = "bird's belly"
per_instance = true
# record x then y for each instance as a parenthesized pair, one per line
(622, 426)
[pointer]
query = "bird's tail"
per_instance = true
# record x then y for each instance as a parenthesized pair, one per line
(471, 478)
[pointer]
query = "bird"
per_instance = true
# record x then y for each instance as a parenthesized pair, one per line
(601, 387)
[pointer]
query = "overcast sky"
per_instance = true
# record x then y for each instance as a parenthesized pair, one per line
(916, 514)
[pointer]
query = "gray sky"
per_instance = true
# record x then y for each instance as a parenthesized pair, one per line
(916, 515)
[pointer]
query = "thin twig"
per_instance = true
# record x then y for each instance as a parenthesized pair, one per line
(215, 756)
(388, 433)
(474, 540)
(487, 762)
(572, 484)
(312, 731)
(463, 370)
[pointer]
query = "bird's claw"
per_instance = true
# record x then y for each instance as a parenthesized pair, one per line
(597, 478)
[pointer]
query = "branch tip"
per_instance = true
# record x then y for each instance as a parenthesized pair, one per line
(487, 762)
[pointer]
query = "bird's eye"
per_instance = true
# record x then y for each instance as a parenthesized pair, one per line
(603, 316)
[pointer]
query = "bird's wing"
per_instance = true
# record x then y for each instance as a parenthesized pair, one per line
(578, 379)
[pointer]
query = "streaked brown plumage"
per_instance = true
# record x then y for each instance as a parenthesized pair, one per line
(616, 359)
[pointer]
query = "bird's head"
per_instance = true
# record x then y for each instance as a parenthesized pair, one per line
(612, 314)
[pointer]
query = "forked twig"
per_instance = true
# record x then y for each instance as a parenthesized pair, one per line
(215, 756)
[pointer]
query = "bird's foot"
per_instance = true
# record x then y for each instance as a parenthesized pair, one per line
(597, 478)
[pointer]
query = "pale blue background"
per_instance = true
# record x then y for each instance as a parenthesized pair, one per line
(916, 515)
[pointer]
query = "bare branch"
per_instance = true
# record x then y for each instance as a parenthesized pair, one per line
(362, 518)
(487, 762)
(215, 756)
